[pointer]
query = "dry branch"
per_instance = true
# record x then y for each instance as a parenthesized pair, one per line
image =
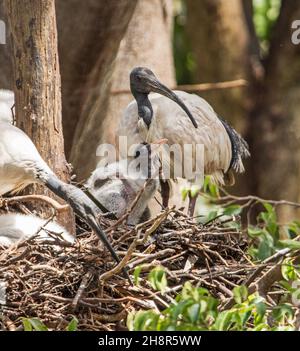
(192, 88)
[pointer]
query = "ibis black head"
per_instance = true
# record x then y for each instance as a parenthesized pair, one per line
(142, 83)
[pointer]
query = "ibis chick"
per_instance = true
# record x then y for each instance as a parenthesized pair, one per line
(117, 184)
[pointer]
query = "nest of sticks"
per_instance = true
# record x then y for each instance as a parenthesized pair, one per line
(55, 281)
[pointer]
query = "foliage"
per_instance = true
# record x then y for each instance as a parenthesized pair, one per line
(158, 280)
(264, 15)
(35, 324)
(185, 62)
(195, 309)
(266, 234)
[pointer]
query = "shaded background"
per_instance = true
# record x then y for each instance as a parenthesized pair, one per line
(183, 42)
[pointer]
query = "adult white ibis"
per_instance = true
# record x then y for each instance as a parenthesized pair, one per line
(117, 184)
(16, 227)
(182, 119)
(21, 165)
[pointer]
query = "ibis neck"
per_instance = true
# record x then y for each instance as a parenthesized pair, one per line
(145, 110)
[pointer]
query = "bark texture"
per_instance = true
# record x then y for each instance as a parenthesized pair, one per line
(87, 74)
(275, 118)
(6, 76)
(218, 38)
(147, 42)
(37, 82)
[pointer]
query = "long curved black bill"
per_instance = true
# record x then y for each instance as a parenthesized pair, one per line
(84, 207)
(159, 88)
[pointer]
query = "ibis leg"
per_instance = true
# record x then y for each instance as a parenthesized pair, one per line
(192, 204)
(165, 193)
(84, 207)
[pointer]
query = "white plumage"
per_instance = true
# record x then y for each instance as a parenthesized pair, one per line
(20, 162)
(116, 185)
(183, 119)
(169, 121)
(15, 227)
(21, 165)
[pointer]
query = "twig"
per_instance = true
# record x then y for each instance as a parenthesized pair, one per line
(85, 280)
(27, 198)
(238, 83)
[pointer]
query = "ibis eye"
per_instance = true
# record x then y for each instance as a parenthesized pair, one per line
(137, 154)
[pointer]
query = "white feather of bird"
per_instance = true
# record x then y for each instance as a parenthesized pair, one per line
(19, 159)
(21, 165)
(15, 227)
(117, 184)
(154, 116)
(169, 121)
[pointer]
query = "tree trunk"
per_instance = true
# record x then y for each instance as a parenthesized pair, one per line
(88, 45)
(219, 46)
(6, 80)
(275, 120)
(106, 32)
(37, 82)
(153, 51)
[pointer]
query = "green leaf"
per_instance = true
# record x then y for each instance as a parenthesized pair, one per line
(255, 232)
(34, 323)
(261, 311)
(130, 321)
(288, 270)
(232, 210)
(282, 311)
(291, 244)
(268, 207)
(212, 215)
(26, 324)
(265, 249)
(224, 321)
(158, 280)
(240, 294)
(193, 312)
(145, 320)
(293, 229)
(184, 193)
(210, 188)
(136, 274)
(72, 326)
(194, 190)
